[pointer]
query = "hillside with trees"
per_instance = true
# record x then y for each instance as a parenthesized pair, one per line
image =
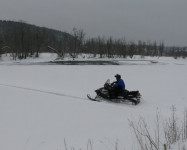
(23, 40)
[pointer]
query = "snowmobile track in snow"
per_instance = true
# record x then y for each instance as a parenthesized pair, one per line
(42, 91)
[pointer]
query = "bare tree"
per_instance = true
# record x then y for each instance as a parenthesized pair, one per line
(161, 48)
(132, 49)
(143, 136)
(77, 40)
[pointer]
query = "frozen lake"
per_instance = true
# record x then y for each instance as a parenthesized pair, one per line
(41, 106)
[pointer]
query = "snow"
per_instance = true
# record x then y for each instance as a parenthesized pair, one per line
(42, 107)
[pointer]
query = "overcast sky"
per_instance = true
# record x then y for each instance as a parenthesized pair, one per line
(160, 20)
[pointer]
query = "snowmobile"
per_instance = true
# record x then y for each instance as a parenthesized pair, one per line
(102, 94)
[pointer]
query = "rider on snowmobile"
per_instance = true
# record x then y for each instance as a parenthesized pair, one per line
(117, 87)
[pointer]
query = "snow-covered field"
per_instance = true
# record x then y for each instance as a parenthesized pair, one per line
(44, 107)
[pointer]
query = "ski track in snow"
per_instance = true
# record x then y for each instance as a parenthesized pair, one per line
(42, 91)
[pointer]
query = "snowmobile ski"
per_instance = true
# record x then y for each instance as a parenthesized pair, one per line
(92, 99)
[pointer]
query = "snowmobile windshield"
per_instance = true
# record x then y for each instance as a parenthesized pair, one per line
(107, 81)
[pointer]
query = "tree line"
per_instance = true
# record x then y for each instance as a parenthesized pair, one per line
(23, 40)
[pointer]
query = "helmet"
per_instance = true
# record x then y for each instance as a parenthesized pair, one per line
(118, 76)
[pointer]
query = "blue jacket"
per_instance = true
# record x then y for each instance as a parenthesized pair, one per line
(120, 83)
